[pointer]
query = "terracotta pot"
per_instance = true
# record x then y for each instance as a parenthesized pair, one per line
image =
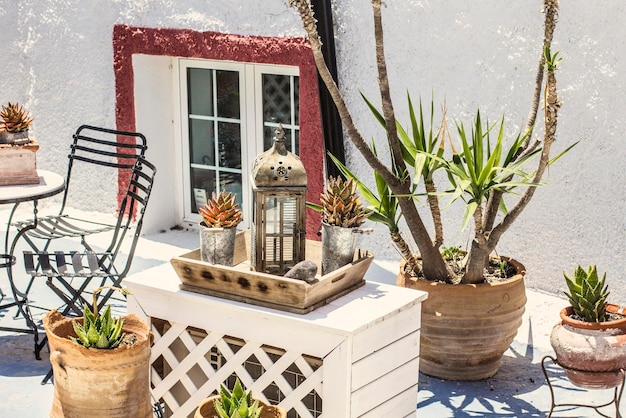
(591, 353)
(207, 409)
(90, 382)
(466, 328)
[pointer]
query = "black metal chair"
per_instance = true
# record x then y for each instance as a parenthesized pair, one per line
(77, 254)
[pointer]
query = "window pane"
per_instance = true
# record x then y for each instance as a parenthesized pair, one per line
(203, 184)
(276, 98)
(296, 99)
(231, 182)
(201, 142)
(229, 135)
(227, 94)
(200, 88)
(268, 138)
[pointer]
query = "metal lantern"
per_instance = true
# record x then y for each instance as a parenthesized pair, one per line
(278, 217)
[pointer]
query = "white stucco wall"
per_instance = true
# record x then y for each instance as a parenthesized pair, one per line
(57, 61)
(485, 55)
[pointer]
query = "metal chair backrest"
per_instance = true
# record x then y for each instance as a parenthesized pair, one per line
(132, 210)
(91, 145)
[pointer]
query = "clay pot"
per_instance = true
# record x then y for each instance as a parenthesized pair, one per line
(90, 382)
(466, 328)
(207, 409)
(591, 353)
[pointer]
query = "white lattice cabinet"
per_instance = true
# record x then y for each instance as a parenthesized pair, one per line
(355, 357)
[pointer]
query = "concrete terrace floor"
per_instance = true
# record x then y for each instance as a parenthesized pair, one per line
(518, 390)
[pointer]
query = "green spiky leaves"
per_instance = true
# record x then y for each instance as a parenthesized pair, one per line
(103, 331)
(237, 404)
(13, 118)
(221, 211)
(341, 206)
(587, 294)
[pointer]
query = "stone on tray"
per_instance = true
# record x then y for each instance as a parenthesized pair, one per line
(304, 270)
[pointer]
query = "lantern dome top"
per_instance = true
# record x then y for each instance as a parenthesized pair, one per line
(278, 167)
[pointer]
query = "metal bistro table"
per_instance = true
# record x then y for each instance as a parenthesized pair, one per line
(49, 185)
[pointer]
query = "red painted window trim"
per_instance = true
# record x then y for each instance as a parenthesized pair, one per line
(129, 40)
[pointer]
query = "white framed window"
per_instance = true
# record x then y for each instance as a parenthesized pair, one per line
(229, 111)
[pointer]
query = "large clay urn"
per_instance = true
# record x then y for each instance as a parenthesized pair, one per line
(466, 328)
(94, 383)
(593, 354)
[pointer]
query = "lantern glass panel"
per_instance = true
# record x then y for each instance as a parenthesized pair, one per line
(280, 226)
(278, 237)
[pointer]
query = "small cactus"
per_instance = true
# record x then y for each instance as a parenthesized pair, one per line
(341, 205)
(13, 118)
(587, 294)
(221, 211)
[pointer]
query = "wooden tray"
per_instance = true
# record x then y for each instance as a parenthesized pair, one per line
(241, 284)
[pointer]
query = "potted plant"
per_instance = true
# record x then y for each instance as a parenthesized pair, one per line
(14, 124)
(218, 228)
(101, 364)
(483, 173)
(18, 162)
(237, 404)
(590, 340)
(342, 215)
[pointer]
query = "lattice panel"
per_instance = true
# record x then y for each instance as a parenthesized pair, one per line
(189, 364)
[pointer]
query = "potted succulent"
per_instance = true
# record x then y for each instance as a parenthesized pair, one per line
(342, 215)
(590, 340)
(101, 364)
(14, 124)
(237, 404)
(218, 228)
(18, 161)
(482, 173)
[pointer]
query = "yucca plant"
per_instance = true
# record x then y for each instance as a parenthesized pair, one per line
(237, 404)
(99, 330)
(413, 160)
(341, 206)
(221, 211)
(587, 294)
(13, 118)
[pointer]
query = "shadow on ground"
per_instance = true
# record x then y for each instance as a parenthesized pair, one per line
(18, 358)
(498, 396)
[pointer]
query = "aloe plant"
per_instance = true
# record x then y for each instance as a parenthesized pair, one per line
(341, 206)
(99, 330)
(237, 404)
(587, 294)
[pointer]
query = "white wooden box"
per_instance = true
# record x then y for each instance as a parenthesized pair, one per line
(365, 344)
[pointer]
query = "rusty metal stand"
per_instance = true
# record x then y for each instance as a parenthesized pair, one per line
(617, 395)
